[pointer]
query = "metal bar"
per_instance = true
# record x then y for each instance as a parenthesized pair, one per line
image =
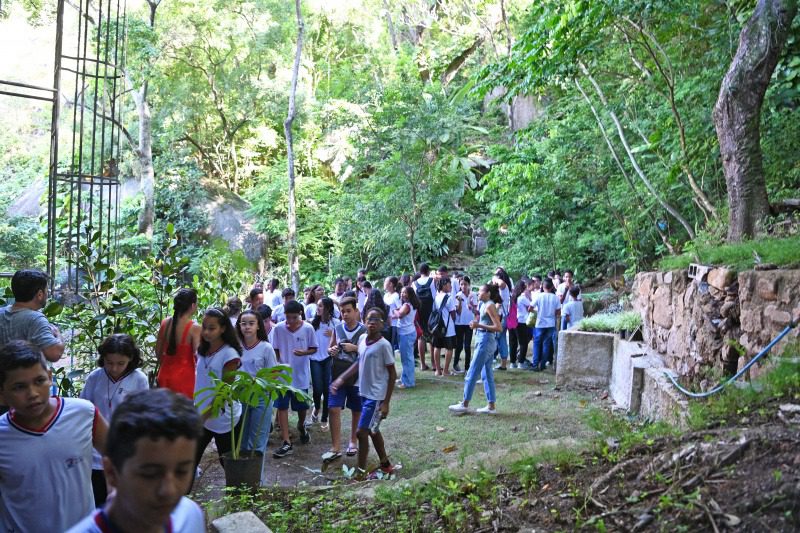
(85, 45)
(53, 167)
(84, 59)
(30, 96)
(28, 86)
(94, 115)
(91, 75)
(87, 179)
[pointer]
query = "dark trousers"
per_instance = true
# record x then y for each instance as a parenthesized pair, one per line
(523, 333)
(222, 440)
(463, 341)
(99, 488)
(321, 382)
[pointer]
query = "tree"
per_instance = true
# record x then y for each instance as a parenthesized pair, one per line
(294, 261)
(737, 114)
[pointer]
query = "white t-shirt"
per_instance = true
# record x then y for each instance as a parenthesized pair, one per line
(574, 310)
(273, 298)
(523, 302)
(362, 299)
(373, 377)
(563, 291)
(106, 394)
(323, 340)
(469, 306)
(449, 306)
(254, 358)
(187, 517)
(311, 311)
(392, 301)
(206, 364)
(46, 473)
(546, 304)
(277, 314)
(405, 324)
(286, 342)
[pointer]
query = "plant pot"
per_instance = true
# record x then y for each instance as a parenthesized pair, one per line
(244, 471)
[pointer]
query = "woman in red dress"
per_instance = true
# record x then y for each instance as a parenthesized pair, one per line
(176, 346)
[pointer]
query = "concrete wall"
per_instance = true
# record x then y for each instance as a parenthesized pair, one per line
(585, 359)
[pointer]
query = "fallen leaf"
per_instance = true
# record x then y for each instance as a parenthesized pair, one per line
(604, 396)
(440, 429)
(731, 520)
(790, 408)
(583, 403)
(537, 393)
(514, 429)
(543, 381)
(546, 486)
(449, 449)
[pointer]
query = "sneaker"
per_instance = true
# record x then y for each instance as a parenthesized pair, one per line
(314, 418)
(501, 368)
(382, 472)
(486, 411)
(283, 451)
(514, 366)
(305, 437)
(457, 369)
(459, 409)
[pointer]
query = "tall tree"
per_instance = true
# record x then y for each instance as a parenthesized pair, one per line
(737, 113)
(294, 261)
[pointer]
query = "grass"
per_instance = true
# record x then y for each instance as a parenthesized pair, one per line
(740, 256)
(611, 322)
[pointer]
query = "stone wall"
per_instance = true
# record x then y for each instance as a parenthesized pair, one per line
(701, 326)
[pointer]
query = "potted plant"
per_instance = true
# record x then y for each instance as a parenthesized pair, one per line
(244, 469)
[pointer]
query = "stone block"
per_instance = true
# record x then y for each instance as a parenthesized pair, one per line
(720, 278)
(244, 522)
(776, 317)
(662, 307)
(767, 288)
(626, 376)
(584, 358)
(750, 318)
(660, 399)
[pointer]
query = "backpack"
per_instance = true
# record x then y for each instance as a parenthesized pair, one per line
(436, 322)
(424, 292)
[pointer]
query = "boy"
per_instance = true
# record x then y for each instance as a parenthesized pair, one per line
(547, 308)
(45, 447)
(344, 351)
(149, 461)
(376, 376)
(573, 310)
(294, 340)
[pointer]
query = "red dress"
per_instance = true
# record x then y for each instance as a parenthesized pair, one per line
(177, 370)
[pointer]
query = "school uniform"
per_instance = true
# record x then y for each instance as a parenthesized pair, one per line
(187, 517)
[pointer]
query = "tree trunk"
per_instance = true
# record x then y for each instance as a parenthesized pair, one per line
(294, 260)
(390, 25)
(147, 176)
(738, 111)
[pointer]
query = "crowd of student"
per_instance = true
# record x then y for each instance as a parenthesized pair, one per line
(340, 348)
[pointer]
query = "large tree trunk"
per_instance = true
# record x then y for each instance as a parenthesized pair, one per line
(145, 154)
(294, 260)
(738, 111)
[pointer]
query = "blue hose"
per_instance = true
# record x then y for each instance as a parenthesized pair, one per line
(724, 384)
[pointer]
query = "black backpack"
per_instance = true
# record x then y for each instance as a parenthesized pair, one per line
(437, 325)
(424, 292)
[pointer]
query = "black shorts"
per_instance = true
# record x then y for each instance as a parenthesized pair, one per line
(448, 343)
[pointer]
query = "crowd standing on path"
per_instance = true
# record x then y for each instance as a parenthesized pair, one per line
(341, 349)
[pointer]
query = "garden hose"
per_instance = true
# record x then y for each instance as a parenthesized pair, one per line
(727, 382)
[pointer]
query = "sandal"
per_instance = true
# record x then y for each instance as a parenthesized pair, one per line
(351, 450)
(330, 456)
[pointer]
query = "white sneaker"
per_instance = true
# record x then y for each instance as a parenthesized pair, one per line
(459, 409)
(486, 411)
(514, 366)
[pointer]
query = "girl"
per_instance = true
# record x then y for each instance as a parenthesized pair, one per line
(504, 284)
(219, 354)
(324, 324)
(488, 327)
(447, 307)
(107, 386)
(375, 299)
(517, 329)
(466, 311)
(312, 298)
(233, 307)
(257, 353)
(407, 334)
(176, 345)
(265, 312)
(547, 307)
(392, 300)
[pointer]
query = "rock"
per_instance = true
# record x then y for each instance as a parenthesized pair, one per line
(767, 288)
(766, 266)
(662, 307)
(720, 278)
(777, 317)
(244, 522)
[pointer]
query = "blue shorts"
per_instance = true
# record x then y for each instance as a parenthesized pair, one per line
(283, 401)
(346, 395)
(370, 415)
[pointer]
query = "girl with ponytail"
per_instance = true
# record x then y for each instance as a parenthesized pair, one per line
(177, 343)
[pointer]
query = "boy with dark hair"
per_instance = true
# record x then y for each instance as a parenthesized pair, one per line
(272, 296)
(149, 461)
(256, 297)
(294, 340)
(45, 446)
(425, 288)
(24, 321)
(278, 313)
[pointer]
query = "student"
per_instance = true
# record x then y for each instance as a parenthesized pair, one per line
(504, 283)
(45, 446)
(278, 314)
(521, 299)
(343, 349)
(106, 387)
(265, 312)
(488, 326)
(176, 345)
(257, 353)
(466, 311)
(407, 334)
(562, 289)
(315, 293)
(426, 292)
(152, 441)
(324, 324)
(362, 291)
(256, 297)
(294, 340)
(24, 320)
(232, 308)
(376, 376)
(547, 306)
(573, 309)
(447, 307)
(219, 354)
(392, 300)
(272, 297)
(339, 286)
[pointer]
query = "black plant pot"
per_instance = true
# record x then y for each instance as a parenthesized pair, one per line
(245, 471)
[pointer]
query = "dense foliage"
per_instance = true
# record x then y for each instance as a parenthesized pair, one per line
(411, 139)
